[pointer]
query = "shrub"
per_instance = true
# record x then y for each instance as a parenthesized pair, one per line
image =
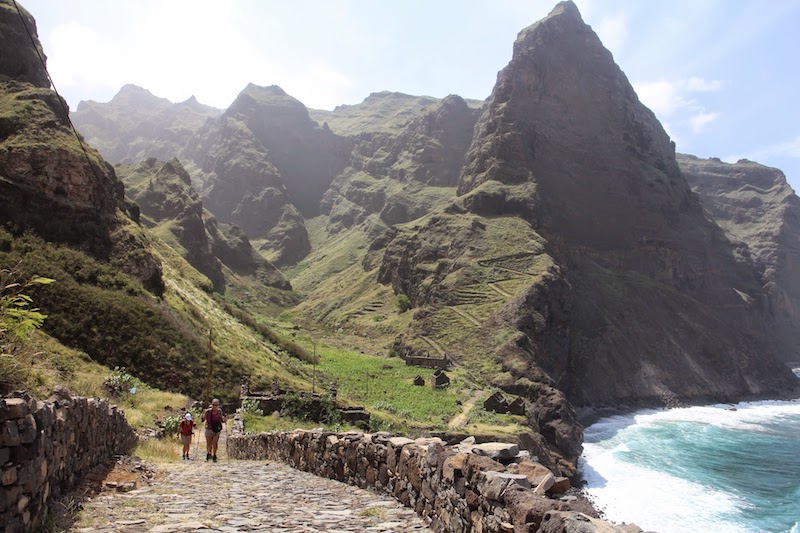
(120, 383)
(305, 407)
(17, 320)
(170, 425)
(101, 311)
(403, 302)
(251, 406)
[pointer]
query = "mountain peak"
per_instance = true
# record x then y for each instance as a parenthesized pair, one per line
(139, 97)
(273, 90)
(131, 89)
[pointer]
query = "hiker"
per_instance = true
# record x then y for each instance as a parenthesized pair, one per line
(186, 430)
(214, 418)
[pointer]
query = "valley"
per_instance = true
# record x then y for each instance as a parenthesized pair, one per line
(548, 243)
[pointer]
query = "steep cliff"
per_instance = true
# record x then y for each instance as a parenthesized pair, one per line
(49, 182)
(172, 209)
(755, 205)
(399, 169)
(255, 168)
(136, 125)
(648, 301)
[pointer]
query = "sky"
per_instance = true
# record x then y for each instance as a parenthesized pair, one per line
(721, 75)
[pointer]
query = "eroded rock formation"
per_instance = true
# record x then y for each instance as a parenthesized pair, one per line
(755, 206)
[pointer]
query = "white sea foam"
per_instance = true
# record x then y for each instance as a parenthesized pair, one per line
(629, 491)
(653, 500)
(750, 416)
(796, 526)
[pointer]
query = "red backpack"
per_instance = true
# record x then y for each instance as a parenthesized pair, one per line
(186, 427)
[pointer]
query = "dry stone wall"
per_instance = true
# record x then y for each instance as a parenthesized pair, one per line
(45, 448)
(458, 489)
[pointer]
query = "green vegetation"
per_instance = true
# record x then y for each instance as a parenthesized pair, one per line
(29, 118)
(105, 313)
(289, 347)
(383, 112)
(299, 406)
(158, 450)
(250, 406)
(254, 423)
(17, 319)
(403, 302)
(386, 386)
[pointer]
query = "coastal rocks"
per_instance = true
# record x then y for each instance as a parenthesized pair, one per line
(572, 522)
(455, 490)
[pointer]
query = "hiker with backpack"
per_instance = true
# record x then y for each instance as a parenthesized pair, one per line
(186, 430)
(214, 419)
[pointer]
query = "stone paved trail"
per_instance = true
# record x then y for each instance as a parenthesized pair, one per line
(234, 496)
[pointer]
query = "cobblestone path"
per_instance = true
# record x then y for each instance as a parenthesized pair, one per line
(244, 496)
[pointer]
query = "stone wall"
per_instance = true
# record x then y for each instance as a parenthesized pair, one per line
(458, 489)
(45, 448)
(427, 362)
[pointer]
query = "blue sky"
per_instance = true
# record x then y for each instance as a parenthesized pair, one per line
(721, 75)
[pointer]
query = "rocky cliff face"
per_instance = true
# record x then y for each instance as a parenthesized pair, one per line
(136, 125)
(255, 168)
(171, 207)
(755, 205)
(649, 300)
(24, 64)
(48, 184)
(404, 163)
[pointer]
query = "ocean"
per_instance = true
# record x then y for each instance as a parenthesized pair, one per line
(698, 469)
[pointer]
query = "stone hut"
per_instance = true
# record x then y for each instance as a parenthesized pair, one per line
(440, 380)
(496, 403)
(419, 381)
(517, 407)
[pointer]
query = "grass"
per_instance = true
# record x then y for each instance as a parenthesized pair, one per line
(163, 450)
(385, 385)
(256, 424)
(373, 512)
(383, 112)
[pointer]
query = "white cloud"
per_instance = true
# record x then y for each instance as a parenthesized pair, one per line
(699, 85)
(677, 101)
(701, 120)
(178, 59)
(662, 97)
(318, 86)
(613, 31)
(790, 148)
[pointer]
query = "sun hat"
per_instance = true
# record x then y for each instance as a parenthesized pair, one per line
(188, 416)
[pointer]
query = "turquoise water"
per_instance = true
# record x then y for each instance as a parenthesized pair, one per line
(699, 469)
